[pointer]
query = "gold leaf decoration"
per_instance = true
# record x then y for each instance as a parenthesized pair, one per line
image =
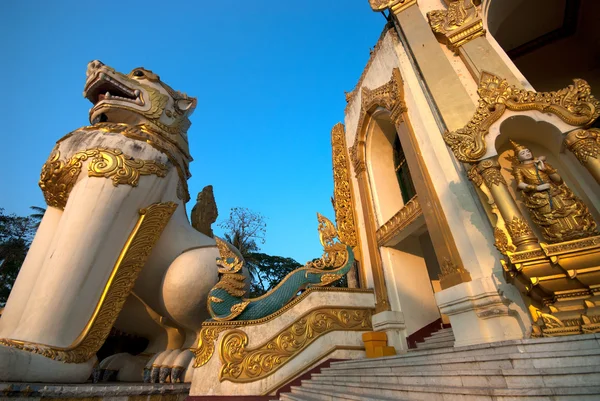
(342, 188)
(150, 224)
(574, 105)
(243, 365)
(398, 222)
(458, 24)
(58, 177)
(206, 344)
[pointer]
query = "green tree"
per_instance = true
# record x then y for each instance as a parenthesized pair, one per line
(16, 234)
(270, 271)
(245, 230)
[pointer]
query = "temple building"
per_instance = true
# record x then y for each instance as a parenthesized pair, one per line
(466, 171)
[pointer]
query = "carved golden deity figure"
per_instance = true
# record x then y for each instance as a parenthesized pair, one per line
(554, 208)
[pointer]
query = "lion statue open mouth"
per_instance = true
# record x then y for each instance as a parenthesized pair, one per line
(115, 248)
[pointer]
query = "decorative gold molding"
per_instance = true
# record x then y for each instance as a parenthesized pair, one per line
(135, 252)
(574, 105)
(452, 274)
(206, 344)
(457, 25)
(176, 155)
(58, 177)
(406, 215)
(343, 201)
(490, 173)
(501, 241)
(389, 96)
(584, 144)
(242, 365)
(395, 6)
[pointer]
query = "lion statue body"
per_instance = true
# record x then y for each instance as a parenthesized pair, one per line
(115, 248)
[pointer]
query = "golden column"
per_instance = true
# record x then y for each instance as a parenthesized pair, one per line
(585, 145)
(520, 232)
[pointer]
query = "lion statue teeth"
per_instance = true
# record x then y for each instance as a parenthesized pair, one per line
(115, 248)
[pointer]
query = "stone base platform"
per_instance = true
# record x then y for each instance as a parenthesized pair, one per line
(94, 392)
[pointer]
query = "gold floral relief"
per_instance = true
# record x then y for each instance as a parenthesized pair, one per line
(58, 177)
(206, 344)
(574, 105)
(242, 365)
(342, 188)
(389, 96)
(398, 222)
(584, 144)
(151, 222)
(457, 25)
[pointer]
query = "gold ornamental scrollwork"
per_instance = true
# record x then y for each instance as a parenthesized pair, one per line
(151, 222)
(342, 188)
(409, 213)
(243, 365)
(395, 6)
(584, 144)
(59, 176)
(574, 105)
(389, 96)
(206, 344)
(457, 25)
(176, 154)
(490, 173)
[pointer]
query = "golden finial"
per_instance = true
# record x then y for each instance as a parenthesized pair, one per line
(516, 146)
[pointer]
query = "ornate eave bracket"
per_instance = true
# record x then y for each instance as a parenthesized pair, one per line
(395, 6)
(573, 105)
(458, 24)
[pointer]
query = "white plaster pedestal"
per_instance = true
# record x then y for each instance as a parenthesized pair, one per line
(300, 328)
(392, 323)
(479, 313)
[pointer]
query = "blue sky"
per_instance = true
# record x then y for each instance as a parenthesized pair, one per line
(269, 77)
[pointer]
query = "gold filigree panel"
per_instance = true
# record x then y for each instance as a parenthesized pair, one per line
(458, 24)
(409, 213)
(342, 188)
(177, 155)
(242, 365)
(59, 176)
(133, 257)
(394, 5)
(389, 96)
(574, 105)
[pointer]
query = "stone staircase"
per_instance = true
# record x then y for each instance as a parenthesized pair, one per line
(545, 369)
(440, 339)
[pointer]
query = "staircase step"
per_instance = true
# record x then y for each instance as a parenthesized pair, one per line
(437, 339)
(433, 345)
(587, 343)
(478, 362)
(381, 391)
(497, 378)
(442, 332)
(332, 394)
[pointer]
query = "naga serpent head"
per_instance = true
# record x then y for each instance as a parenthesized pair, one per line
(138, 98)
